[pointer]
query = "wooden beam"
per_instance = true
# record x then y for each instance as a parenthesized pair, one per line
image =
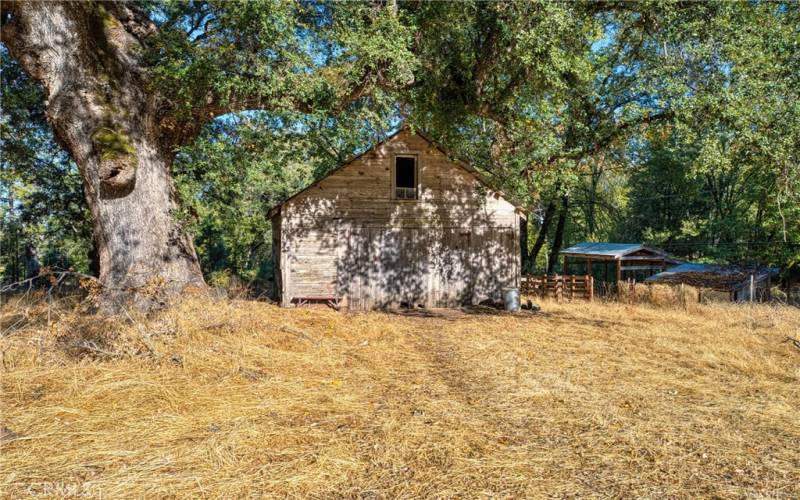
(639, 268)
(646, 257)
(566, 264)
(592, 256)
(619, 272)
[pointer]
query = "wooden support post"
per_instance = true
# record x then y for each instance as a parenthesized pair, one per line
(557, 288)
(769, 287)
(752, 287)
(566, 264)
(619, 272)
(590, 286)
(589, 267)
(572, 288)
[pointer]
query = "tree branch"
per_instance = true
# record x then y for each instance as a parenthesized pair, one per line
(367, 82)
(606, 141)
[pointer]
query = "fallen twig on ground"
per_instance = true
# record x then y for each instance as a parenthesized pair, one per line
(793, 340)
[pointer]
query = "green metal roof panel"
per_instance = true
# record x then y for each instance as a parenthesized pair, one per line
(606, 249)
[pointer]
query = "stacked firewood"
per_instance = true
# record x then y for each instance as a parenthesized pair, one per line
(717, 281)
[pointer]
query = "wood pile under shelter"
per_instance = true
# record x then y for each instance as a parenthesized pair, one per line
(616, 261)
(738, 283)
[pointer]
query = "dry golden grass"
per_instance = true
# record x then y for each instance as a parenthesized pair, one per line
(234, 398)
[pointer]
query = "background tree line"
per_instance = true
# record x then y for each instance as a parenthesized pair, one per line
(670, 124)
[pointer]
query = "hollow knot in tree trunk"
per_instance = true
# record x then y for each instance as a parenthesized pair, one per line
(118, 162)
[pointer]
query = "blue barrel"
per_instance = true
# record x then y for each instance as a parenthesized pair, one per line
(511, 299)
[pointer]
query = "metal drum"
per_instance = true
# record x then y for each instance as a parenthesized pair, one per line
(511, 299)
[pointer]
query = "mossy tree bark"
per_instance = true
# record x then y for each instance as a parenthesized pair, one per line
(121, 108)
(88, 61)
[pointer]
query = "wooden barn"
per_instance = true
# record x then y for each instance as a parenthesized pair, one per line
(401, 225)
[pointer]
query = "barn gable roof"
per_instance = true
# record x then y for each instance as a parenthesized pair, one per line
(465, 166)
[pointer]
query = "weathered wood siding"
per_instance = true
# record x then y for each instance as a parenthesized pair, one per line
(346, 236)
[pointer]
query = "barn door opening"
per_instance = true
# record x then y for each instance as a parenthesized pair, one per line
(414, 267)
(352, 266)
(455, 271)
(379, 267)
(493, 260)
(401, 279)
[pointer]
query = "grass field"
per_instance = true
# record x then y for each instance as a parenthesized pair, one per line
(234, 398)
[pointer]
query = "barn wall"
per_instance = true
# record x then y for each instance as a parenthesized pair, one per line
(347, 236)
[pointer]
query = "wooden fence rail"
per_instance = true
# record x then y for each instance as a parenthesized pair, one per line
(559, 287)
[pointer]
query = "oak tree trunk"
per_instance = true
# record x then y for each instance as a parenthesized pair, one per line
(558, 238)
(98, 105)
(541, 237)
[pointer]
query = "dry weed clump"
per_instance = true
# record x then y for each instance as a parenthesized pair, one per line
(663, 296)
(227, 399)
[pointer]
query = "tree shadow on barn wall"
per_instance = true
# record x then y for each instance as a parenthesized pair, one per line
(346, 236)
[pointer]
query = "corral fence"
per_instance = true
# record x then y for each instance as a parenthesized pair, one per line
(560, 287)
(569, 287)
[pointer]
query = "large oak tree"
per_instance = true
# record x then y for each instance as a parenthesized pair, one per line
(127, 83)
(534, 93)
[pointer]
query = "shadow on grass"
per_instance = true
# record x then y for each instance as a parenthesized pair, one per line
(464, 311)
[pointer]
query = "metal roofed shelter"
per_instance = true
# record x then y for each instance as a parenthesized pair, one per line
(631, 258)
(738, 283)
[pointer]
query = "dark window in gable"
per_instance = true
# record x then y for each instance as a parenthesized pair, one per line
(405, 178)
